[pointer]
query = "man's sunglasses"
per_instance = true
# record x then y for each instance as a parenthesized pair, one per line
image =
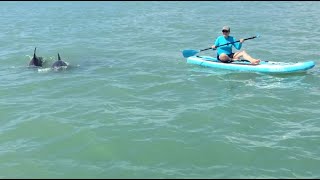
(225, 31)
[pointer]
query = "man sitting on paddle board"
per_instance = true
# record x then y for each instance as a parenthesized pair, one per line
(224, 53)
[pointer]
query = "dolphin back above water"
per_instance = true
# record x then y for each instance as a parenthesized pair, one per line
(35, 61)
(59, 63)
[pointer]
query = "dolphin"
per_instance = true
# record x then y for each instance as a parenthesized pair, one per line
(59, 63)
(35, 61)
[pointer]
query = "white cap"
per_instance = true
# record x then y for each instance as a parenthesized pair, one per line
(226, 28)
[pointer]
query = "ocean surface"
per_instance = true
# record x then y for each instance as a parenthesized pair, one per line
(130, 106)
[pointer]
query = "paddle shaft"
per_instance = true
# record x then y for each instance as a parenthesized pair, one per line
(228, 43)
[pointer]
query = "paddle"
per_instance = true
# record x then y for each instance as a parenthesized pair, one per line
(191, 52)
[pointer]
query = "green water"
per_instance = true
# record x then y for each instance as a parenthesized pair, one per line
(131, 107)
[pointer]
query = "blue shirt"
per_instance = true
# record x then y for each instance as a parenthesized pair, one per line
(227, 49)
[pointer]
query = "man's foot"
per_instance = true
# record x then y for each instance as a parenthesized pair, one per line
(257, 61)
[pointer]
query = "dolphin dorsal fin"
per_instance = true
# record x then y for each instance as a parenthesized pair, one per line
(34, 53)
(59, 57)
